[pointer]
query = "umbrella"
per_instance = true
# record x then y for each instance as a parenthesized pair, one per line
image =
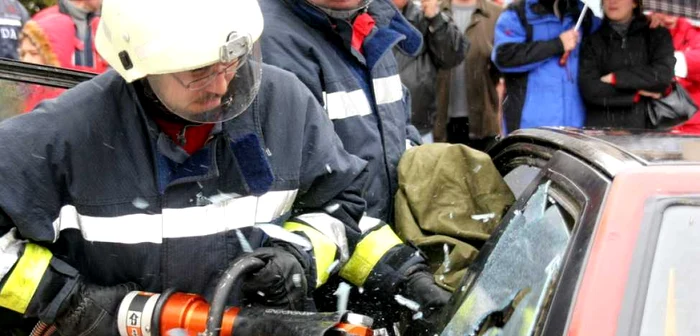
(686, 8)
(596, 7)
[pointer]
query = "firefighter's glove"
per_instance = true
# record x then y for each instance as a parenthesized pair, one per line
(281, 283)
(420, 287)
(91, 310)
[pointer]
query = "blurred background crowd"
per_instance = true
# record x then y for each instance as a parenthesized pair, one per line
(511, 75)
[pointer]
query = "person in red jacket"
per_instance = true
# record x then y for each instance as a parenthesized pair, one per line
(37, 44)
(75, 23)
(686, 42)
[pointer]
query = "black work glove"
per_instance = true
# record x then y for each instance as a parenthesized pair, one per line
(420, 287)
(92, 310)
(281, 283)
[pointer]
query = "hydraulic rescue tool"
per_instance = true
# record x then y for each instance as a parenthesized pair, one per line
(152, 314)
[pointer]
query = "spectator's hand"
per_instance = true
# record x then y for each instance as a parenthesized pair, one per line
(607, 78)
(569, 39)
(652, 95)
(655, 20)
(431, 8)
(421, 288)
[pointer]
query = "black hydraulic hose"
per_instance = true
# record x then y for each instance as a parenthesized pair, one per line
(241, 266)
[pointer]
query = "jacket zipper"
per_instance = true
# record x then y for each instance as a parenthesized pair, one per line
(182, 138)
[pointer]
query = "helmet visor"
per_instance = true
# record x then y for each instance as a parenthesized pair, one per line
(214, 93)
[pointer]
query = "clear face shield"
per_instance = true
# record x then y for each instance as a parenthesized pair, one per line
(217, 92)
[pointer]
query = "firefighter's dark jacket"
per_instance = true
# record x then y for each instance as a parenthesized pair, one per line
(361, 92)
(90, 188)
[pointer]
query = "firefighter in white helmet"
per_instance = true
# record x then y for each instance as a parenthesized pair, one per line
(158, 174)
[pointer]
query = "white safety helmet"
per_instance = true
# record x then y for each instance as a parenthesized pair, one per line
(195, 42)
(343, 14)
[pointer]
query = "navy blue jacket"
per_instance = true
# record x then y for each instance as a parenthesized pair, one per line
(89, 176)
(362, 93)
(540, 92)
(13, 16)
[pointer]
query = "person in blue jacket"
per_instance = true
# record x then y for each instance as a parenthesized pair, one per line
(13, 16)
(531, 39)
(342, 51)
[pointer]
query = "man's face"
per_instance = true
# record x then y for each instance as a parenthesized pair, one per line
(337, 4)
(619, 10)
(400, 4)
(173, 91)
(89, 5)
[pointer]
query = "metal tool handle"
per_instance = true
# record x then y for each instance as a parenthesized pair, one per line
(565, 57)
(238, 268)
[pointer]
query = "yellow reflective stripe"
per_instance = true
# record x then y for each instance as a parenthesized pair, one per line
(367, 254)
(324, 249)
(24, 279)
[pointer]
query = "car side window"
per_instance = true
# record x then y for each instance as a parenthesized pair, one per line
(673, 293)
(519, 178)
(18, 97)
(512, 289)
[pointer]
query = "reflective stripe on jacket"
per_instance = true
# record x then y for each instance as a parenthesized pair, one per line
(89, 176)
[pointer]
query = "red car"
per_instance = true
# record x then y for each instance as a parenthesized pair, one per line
(603, 240)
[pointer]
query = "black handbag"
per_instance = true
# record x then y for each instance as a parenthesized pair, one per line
(671, 110)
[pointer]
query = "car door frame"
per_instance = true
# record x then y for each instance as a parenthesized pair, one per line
(16, 71)
(580, 189)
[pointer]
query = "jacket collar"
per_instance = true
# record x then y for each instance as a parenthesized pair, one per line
(253, 166)
(638, 23)
(480, 7)
(66, 7)
(410, 11)
(384, 13)
(480, 12)
(537, 12)
(62, 7)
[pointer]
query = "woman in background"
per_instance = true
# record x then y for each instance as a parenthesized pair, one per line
(686, 42)
(623, 66)
(37, 46)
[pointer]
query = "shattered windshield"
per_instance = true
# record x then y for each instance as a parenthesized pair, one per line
(513, 287)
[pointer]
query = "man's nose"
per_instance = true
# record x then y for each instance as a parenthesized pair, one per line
(219, 85)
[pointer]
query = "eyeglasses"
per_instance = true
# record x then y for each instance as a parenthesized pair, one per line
(200, 78)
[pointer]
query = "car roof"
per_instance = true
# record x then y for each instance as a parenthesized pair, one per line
(614, 151)
(653, 147)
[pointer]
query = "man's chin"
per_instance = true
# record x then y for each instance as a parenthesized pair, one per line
(201, 107)
(342, 4)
